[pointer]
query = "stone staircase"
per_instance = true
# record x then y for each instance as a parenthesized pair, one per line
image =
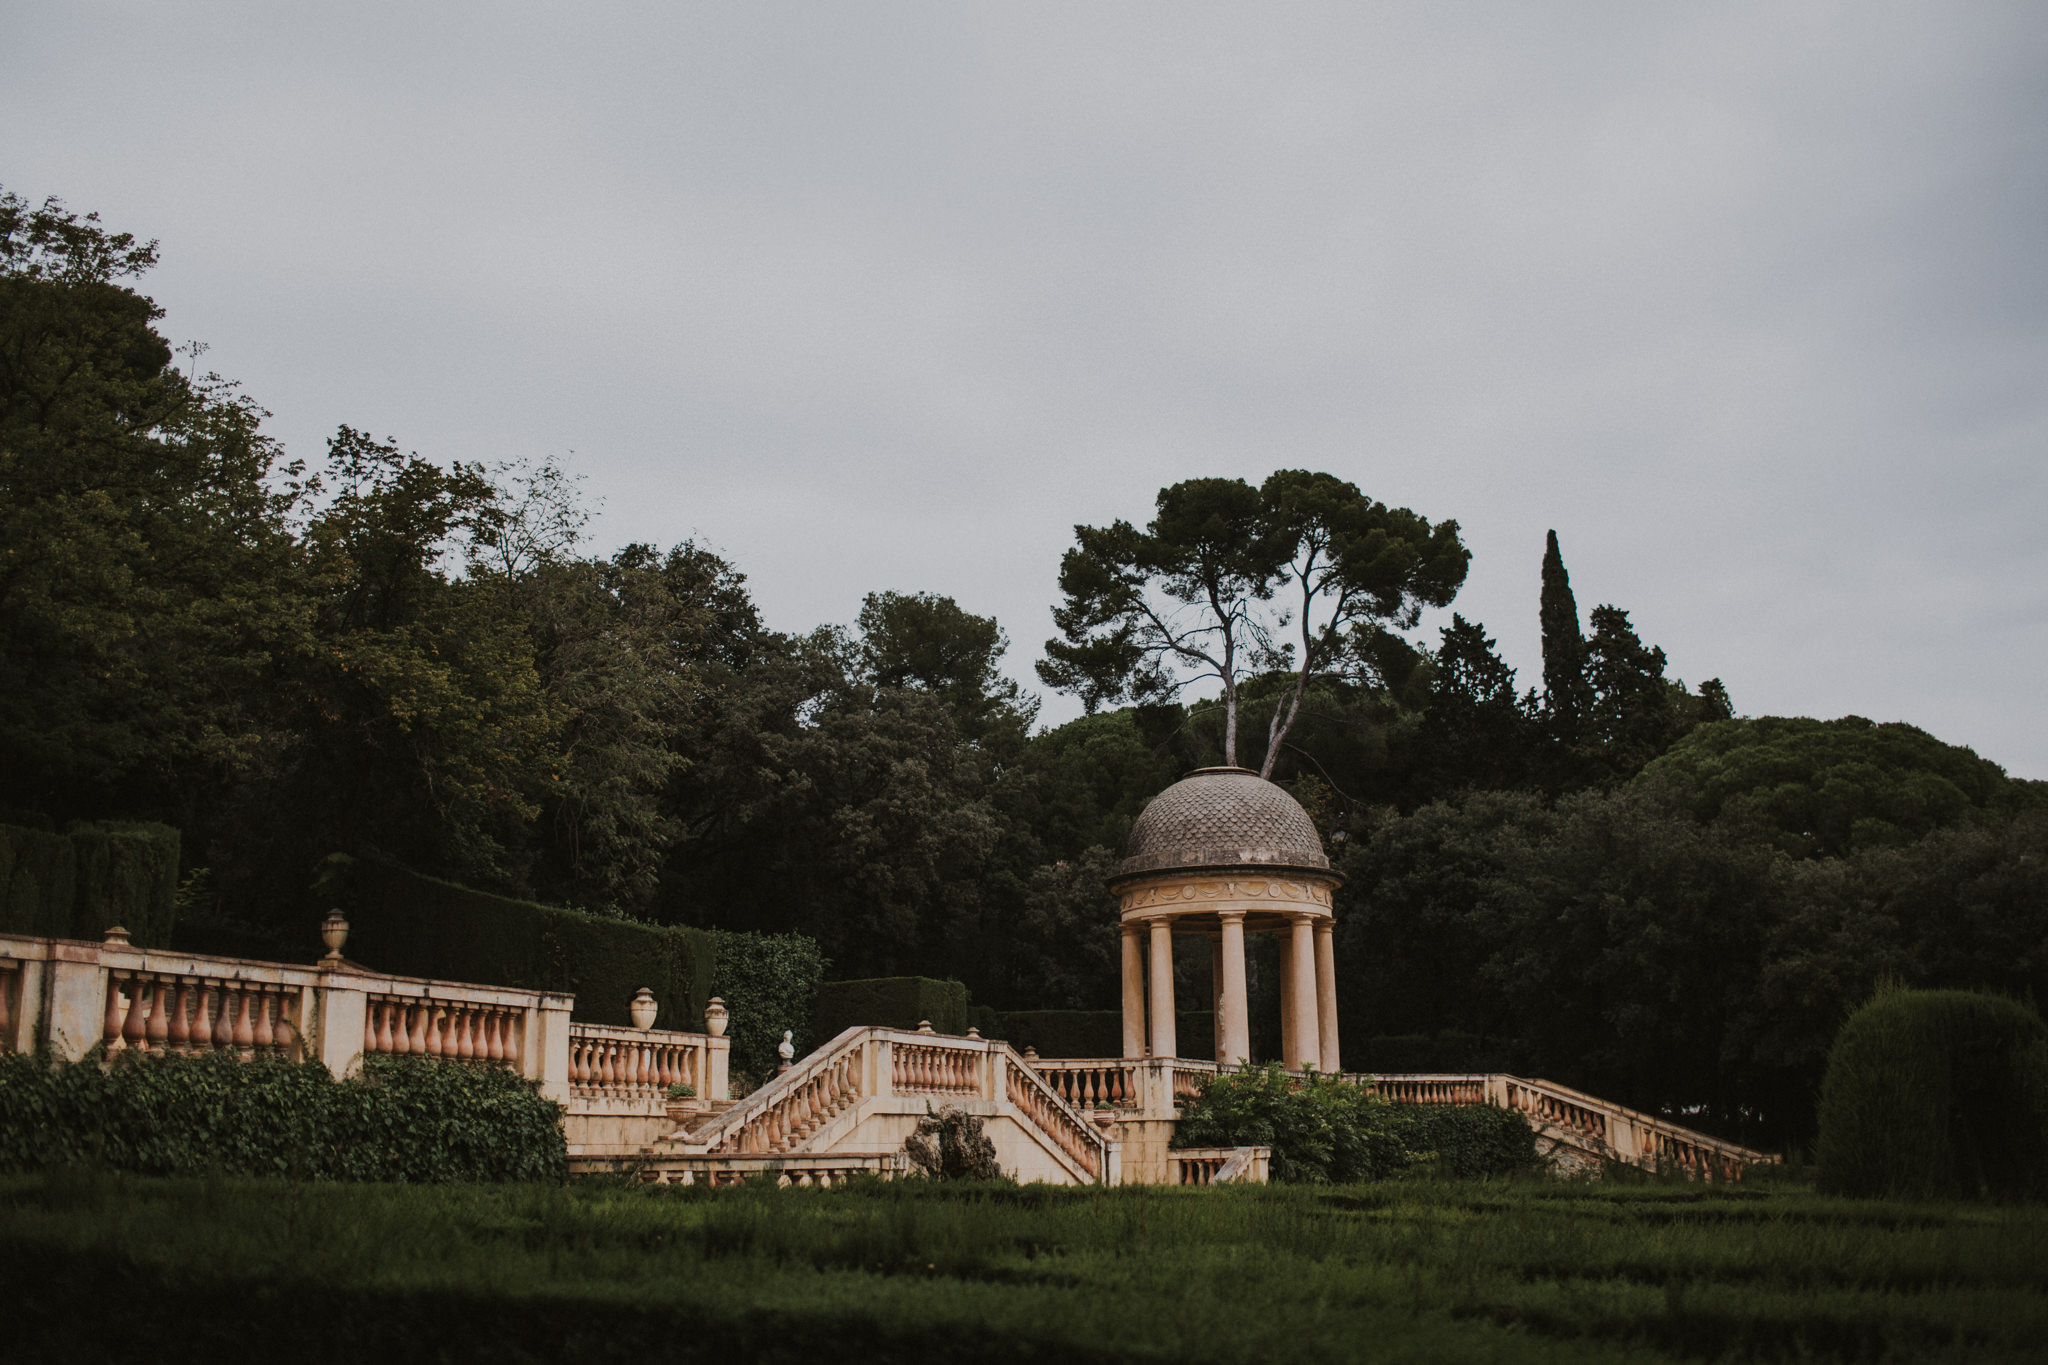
(848, 1107)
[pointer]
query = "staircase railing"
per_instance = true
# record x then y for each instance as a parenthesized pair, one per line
(879, 1064)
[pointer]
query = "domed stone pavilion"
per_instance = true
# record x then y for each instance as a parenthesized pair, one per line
(1223, 853)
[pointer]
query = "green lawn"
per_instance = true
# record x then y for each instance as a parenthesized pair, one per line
(104, 1267)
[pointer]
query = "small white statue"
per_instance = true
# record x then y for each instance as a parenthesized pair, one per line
(786, 1049)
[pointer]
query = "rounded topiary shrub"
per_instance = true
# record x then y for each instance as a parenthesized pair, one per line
(1939, 1095)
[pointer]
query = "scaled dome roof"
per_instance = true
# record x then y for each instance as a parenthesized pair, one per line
(1223, 817)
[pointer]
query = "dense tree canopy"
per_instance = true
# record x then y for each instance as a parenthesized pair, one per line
(1608, 879)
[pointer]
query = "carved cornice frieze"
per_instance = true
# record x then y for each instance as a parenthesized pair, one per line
(1178, 895)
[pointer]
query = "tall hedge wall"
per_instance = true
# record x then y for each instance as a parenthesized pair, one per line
(1937, 1095)
(891, 1002)
(770, 983)
(412, 925)
(77, 884)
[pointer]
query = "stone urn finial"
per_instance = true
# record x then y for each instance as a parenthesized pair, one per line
(334, 933)
(974, 1033)
(925, 1026)
(643, 1007)
(715, 1017)
(115, 937)
(1030, 1053)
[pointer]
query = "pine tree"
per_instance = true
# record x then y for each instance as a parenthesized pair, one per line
(1567, 697)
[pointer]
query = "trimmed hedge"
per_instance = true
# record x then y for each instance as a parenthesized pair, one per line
(1937, 1095)
(1096, 1033)
(1407, 1054)
(413, 925)
(892, 1002)
(1325, 1129)
(414, 1120)
(1066, 1033)
(76, 885)
(770, 983)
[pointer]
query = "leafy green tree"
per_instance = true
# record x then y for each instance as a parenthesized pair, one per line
(926, 642)
(1567, 696)
(1193, 596)
(1637, 712)
(1475, 732)
(148, 580)
(1826, 788)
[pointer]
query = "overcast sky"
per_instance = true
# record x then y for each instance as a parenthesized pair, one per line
(1749, 302)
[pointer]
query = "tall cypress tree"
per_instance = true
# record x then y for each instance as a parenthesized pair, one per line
(1567, 696)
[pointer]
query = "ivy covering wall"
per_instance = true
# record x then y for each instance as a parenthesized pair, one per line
(769, 983)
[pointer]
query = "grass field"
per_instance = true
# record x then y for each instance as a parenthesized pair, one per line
(104, 1267)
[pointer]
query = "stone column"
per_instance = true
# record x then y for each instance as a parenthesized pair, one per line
(1326, 994)
(1288, 1042)
(1232, 1011)
(1163, 1044)
(1306, 1049)
(1134, 991)
(1216, 995)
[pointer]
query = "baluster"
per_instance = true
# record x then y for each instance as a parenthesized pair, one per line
(110, 1029)
(385, 1041)
(133, 1028)
(415, 1015)
(177, 1033)
(245, 1027)
(465, 1038)
(370, 1009)
(199, 1032)
(158, 1029)
(224, 1020)
(577, 1069)
(287, 1034)
(262, 1034)
(494, 1035)
(7, 980)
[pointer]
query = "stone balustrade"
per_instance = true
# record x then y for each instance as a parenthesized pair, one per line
(1428, 1089)
(66, 997)
(1083, 1144)
(1091, 1084)
(436, 1025)
(869, 1086)
(195, 1010)
(797, 1104)
(938, 1066)
(605, 1060)
(802, 1171)
(1220, 1165)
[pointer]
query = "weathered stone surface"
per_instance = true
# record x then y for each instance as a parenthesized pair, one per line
(1223, 817)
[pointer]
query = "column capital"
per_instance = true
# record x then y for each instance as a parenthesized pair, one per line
(1230, 916)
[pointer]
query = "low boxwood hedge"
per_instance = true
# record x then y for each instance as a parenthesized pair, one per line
(415, 1120)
